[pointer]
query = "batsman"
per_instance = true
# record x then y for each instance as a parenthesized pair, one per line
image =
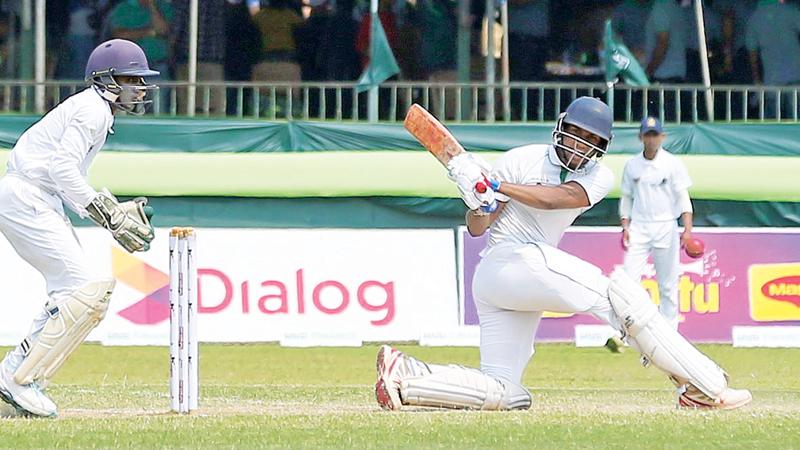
(527, 201)
(47, 171)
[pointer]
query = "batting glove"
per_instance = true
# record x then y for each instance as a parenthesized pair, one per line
(464, 164)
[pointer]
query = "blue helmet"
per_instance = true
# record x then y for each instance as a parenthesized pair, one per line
(588, 114)
(120, 57)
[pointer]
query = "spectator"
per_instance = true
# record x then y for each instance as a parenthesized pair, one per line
(210, 49)
(438, 49)
(734, 15)
(629, 20)
(338, 54)
(389, 24)
(410, 34)
(528, 43)
(666, 33)
(146, 22)
(276, 25)
(528, 38)
(713, 27)
(80, 41)
(772, 34)
(278, 62)
(56, 32)
(242, 50)
(331, 33)
(4, 32)
(101, 18)
(253, 6)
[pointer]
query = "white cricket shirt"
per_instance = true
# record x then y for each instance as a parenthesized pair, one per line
(55, 153)
(538, 164)
(655, 186)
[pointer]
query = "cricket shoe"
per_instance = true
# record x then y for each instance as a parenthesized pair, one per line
(390, 365)
(615, 345)
(27, 399)
(729, 399)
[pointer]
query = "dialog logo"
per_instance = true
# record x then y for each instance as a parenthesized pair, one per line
(153, 307)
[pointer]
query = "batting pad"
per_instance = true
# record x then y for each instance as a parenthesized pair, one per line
(68, 325)
(458, 387)
(649, 333)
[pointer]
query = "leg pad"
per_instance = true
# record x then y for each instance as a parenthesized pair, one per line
(68, 325)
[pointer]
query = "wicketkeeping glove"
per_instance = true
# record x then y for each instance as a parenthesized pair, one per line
(128, 222)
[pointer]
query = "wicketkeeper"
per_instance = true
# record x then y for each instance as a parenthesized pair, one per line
(47, 169)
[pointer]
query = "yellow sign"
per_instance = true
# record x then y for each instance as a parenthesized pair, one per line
(774, 292)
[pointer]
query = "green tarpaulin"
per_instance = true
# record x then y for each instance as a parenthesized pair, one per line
(242, 136)
(329, 174)
(407, 212)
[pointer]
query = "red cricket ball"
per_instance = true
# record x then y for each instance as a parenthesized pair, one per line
(695, 248)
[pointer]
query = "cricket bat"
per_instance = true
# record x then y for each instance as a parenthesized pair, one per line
(432, 134)
(435, 137)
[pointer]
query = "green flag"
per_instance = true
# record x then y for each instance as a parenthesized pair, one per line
(382, 64)
(621, 62)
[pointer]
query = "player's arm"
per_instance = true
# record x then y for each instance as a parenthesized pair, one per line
(127, 221)
(625, 206)
(563, 196)
(752, 45)
(478, 222)
(754, 67)
(160, 24)
(659, 53)
(687, 215)
(66, 161)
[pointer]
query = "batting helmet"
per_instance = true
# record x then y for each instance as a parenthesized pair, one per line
(588, 114)
(120, 57)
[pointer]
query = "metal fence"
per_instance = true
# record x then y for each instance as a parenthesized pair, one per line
(458, 102)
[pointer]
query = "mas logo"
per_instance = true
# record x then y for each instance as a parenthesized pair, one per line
(153, 308)
(774, 292)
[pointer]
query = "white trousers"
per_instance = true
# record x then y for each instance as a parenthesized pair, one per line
(36, 226)
(514, 284)
(661, 239)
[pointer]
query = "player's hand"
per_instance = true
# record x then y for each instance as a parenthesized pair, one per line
(685, 237)
(468, 180)
(626, 239)
(127, 221)
(485, 193)
(465, 164)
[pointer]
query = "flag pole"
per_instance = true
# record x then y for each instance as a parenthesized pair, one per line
(701, 41)
(39, 66)
(372, 102)
(192, 63)
(490, 69)
(463, 51)
(505, 62)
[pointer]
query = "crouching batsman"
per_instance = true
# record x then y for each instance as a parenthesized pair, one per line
(526, 202)
(47, 170)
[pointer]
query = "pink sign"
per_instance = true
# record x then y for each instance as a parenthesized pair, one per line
(746, 277)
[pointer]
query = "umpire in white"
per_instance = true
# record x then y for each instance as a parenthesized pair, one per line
(654, 194)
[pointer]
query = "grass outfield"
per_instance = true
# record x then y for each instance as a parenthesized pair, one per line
(268, 396)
